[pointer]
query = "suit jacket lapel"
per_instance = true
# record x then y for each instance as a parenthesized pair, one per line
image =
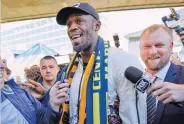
(170, 77)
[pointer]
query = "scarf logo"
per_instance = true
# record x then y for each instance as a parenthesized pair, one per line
(76, 5)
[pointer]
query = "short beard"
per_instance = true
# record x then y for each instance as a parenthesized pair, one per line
(83, 47)
(159, 67)
(155, 69)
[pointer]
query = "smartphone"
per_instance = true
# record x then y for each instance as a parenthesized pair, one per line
(63, 77)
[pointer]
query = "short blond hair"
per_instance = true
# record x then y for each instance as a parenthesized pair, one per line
(156, 27)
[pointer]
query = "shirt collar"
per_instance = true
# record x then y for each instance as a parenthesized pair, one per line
(7, 90)
(162, 73)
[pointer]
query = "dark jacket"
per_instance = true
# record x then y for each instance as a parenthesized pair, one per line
(170, 113)
(32, 110)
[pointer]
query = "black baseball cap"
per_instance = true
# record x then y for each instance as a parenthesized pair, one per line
(64, 13)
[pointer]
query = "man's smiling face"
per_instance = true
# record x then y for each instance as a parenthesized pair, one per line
(80, 31)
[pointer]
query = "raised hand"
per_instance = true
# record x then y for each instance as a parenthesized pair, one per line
(35, 88)
(58, 94)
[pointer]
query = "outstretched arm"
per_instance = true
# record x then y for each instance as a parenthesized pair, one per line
(52, 114)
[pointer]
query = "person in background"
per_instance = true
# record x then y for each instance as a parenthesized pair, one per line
(49, 70)
(19, 107)
(33, 73)
(156, 43)
(50, 74)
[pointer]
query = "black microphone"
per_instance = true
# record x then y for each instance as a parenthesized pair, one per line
(142, 80)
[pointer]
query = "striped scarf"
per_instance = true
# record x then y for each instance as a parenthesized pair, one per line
(93, 103)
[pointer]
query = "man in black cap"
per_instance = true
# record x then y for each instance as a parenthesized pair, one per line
(97, 78)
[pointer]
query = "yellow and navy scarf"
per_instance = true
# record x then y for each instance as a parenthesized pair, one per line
(93, 103)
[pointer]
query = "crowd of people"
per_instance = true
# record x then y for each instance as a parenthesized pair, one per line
(95, 89)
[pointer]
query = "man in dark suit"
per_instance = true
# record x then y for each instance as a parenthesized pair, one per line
(156, 43)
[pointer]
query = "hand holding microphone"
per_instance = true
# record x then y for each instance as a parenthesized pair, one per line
(141, 80)
(166, 92)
